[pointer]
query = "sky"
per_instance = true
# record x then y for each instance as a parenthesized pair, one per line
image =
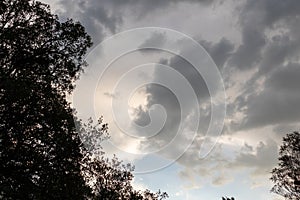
(197, 93)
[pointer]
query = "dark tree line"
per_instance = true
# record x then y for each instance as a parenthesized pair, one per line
(41, 154)
(227, 198)
(286, 176)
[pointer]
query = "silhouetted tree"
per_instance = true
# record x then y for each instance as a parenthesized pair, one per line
(111, 179)
(108, 178)
(40, 58)
(41, 154)
(286, 176)
(227, 198)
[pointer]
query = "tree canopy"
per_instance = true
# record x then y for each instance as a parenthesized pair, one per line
(41, 154)
(40, 58)
(227, 198)
(286, 176)
(109, 178)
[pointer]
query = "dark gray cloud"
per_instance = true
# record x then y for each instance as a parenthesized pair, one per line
(270, 47)
(142, 117)
(167, 99)
(256, 18)
(278, 101)
(249, 53)
(101, 17)
(268, 12)
(285, 79)
(163, 96)
(219, 51)
(281, 48)
(96, 16)
(277, 49)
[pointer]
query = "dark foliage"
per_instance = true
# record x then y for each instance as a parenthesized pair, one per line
(111, 179)
(40, 58)
(286, 176)
(108, 178)
(227, 198)
(41, 154)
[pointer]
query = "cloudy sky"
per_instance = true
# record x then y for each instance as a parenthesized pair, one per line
(198, 121)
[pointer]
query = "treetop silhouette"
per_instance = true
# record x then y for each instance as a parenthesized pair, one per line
(41, 154)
